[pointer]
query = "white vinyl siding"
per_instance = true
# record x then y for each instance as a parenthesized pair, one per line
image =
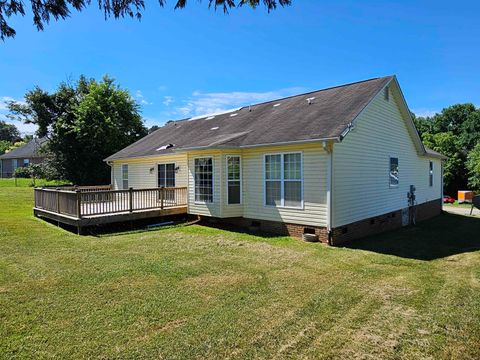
(143, 173)
(314, 210)
(360, 165)
(430, 173)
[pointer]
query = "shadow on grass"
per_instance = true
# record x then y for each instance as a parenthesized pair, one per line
(442, 236)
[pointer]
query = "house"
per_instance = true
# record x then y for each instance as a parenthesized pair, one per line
(22, 156)
(341, 162)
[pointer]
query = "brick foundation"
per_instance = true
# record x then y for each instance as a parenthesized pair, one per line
(342, 234)
(381, 223)
(271, 227)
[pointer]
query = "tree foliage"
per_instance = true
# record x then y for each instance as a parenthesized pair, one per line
(455, 132)
(8, 132)
(85, 123)
(473, 167)
(4, 146)
(44, 10)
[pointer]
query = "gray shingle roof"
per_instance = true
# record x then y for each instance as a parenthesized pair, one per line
(433, 153)
(294, 119)
(28, 151)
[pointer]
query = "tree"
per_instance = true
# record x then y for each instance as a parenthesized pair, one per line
(8, 132)
(153, 128)
(44, 10)
(453, 132)
(473, 166)
(4, 146)
(85, 123)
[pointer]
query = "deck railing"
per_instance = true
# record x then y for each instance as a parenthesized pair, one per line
(88, 201)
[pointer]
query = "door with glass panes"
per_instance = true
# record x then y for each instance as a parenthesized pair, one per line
(166, 179)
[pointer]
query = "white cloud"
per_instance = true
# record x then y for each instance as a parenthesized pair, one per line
(207, 103)
(167, 100)
(5, 99)
(141, 98)
(425, 112)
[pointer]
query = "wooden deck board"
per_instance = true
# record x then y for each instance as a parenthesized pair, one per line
(109, 218)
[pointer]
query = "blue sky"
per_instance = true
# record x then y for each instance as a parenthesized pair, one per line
(187, 62)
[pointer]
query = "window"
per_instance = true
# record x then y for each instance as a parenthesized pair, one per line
(393, 171)
(26, 163)
(204, 180)
(166, 175)
(233, 180)
(14, 164)
(283, 180)
(387, 93)
(124, 176)
(430, 173)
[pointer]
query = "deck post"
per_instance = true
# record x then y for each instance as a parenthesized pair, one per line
(58, 199)
(130, 199)
(79, 204)
(162, 197)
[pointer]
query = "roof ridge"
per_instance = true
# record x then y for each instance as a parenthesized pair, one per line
(319, 90)
(202, 117)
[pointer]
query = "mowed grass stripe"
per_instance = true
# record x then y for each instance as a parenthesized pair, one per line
(197, 292)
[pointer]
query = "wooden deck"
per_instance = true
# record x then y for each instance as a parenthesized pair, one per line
(88, 206)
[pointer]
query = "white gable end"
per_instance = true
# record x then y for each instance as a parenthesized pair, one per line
(361, 182)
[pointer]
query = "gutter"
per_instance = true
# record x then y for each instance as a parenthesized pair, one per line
(207, 147)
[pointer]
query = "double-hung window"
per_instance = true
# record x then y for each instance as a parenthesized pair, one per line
(124, 176)
(283, 180)
(234, 180)
(393, 172)
(204, 179)
(26, 162)
(430, 173)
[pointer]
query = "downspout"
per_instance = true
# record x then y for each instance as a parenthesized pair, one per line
(328, 147)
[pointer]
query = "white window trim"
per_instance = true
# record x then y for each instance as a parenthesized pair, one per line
(195, 181)
(166, 163)
(227, 181)
(128, 175)
(282, 181)
(390, 185)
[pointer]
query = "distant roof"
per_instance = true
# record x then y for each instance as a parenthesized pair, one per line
(28, 151)
(317, 115)
(433, 153)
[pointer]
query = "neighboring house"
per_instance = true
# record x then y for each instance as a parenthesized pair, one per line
(22, 156)
(338, 162)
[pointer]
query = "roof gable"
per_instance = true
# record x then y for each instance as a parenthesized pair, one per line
(318, 115)
(28, 151)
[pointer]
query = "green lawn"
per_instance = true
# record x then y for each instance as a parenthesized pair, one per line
(456, 204)
(27, 182)
(195, 292)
